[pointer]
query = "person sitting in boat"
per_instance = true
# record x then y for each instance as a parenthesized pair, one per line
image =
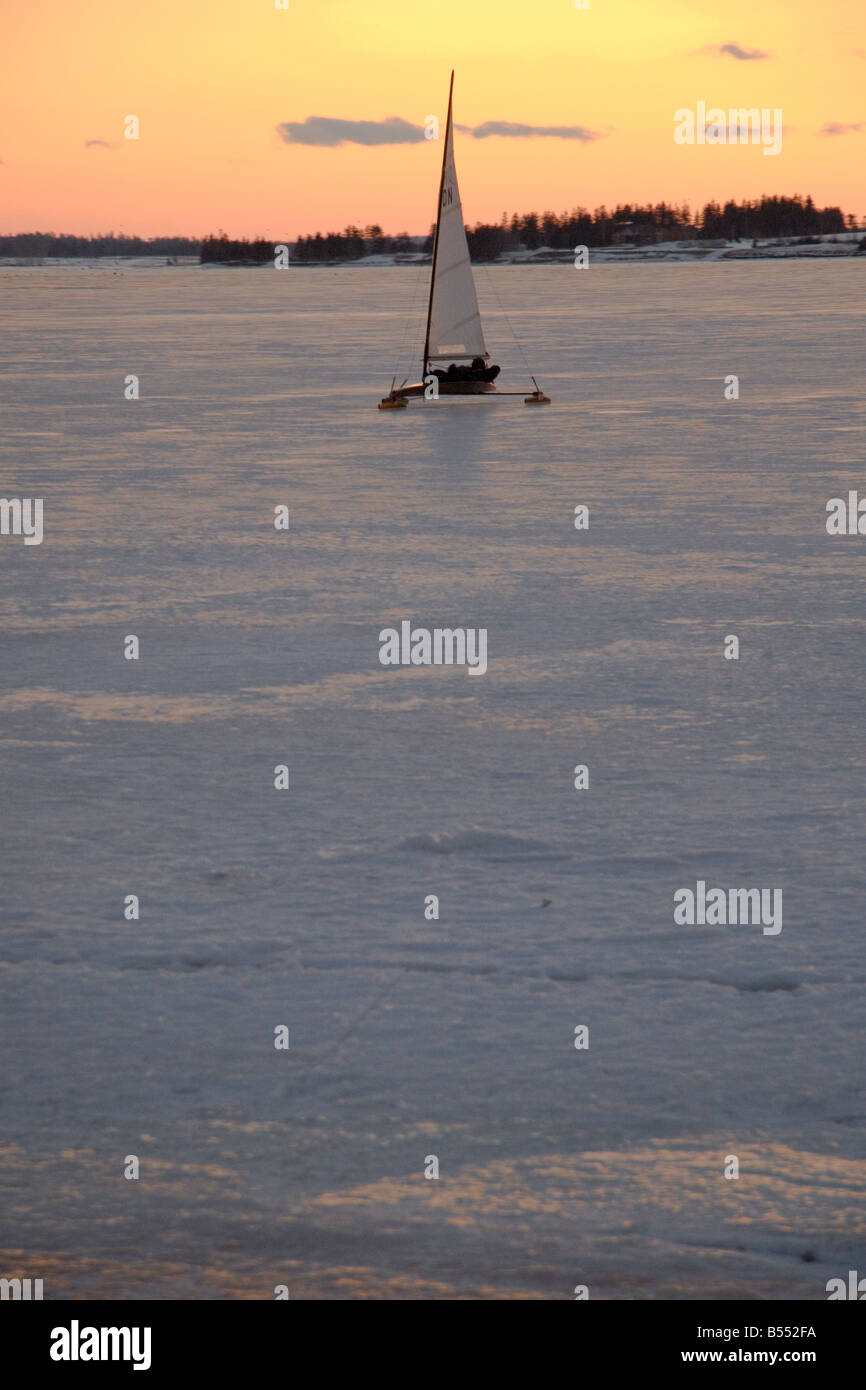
(479, 371)
(452, 372)
(476, 372)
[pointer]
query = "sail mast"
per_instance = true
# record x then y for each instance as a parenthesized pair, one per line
(438, 221)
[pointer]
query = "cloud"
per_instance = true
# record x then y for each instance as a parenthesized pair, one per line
(515, 130)
(730, 50)
(325, 130)
(98, 145)
(330, 132)
(842, 127)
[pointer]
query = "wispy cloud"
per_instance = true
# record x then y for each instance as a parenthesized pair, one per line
(842, 127)
(518, 131)
(730, 50)
(330, 132)
(98, 145)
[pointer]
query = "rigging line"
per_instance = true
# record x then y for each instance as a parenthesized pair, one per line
(488, 280)
(407, 326)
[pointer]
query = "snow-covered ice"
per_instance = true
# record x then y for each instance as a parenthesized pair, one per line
(410, 1037)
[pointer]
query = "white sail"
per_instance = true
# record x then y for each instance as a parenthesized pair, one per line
(455, 323)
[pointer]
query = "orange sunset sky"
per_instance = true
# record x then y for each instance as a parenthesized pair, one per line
(212, 82)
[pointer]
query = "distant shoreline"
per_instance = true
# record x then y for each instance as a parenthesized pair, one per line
(833, 248)
(837, 246)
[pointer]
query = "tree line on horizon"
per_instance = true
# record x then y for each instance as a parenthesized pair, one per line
(765, 217)
(354, 243)
(103, 244)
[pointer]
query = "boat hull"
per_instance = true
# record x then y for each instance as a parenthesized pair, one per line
(451, 388)
(398, 399)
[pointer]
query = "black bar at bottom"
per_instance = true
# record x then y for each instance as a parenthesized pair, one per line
(226, 1337)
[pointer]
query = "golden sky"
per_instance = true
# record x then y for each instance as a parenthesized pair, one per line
(212, 80)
